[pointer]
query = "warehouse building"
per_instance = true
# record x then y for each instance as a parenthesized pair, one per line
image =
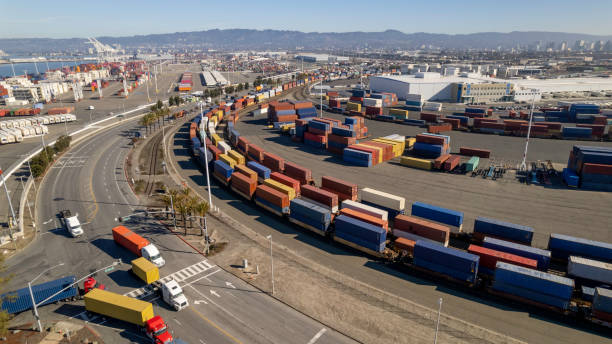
(321, 58)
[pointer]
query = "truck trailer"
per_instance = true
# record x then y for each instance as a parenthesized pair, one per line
(137, 245)
(20, 300)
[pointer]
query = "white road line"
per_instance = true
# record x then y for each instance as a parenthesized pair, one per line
(317, 336)
(201, 341)
(192, 282)
(178, 322)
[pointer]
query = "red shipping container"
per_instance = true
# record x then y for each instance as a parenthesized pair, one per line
(302, 174)
(596, 168)
(317, 131)
(341, 139)
(243, 145)
(320, 196)
(245, 171)
(489, 258)
(214, 150)
(598, 129)
(479, 121)
(451, 162)
(273, 196)
(405, 244)
(425, 229)
(440, 128)
(482, 153)
(600, 120)
(602, 315)
(493, 125)
(356, 99)
(283, 118)
(273, 162)
(334, 103)
(343, 188)
(434, 140)
(335, 150)
(315, 137)
(301, 104)
(551, 125)
(373, 220)
(290, 182)
(387, 149)
(301, 122)
(430, 117)
(243, 184)
(373, 110)
(255, 153)
(439, 162)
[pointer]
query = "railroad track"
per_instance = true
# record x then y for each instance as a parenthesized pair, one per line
(155, 142)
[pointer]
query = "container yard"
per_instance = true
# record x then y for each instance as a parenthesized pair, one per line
(498, 258)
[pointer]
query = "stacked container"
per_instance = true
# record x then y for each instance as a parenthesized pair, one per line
(417, 229)
(540, 255)
(431, 145)
(272, 200)
(360, 235)
(562, 246)
(393, 205)
(503, 230)
(310, 216)
(448, 217)
(448, 262)
(321, 197)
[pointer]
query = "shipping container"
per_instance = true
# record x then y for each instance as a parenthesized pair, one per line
(263, 172)
(489, 259)
(391, 203)
(562, 246)
(309, 216)
(366, 209)
(145, 270)
(446, 216)
(588, 269)
(360, 233)
(504, 230)
(602, 300)
(426, 229)
(20, 300)
(130, 240)
(449, 262)
(540, 255)
(325, 198)
(118, 306)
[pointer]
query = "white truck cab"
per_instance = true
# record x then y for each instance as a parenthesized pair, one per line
(71, 223)
(173, 295)
(152, 254)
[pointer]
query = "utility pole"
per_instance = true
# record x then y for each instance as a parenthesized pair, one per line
(523, 166)
(8, 197)
(206, 160)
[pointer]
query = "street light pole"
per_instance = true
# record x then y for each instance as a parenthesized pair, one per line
(206, 163)
(34, 305)
(523, 166)
(438, 322)
(271, 262)
(8, 197)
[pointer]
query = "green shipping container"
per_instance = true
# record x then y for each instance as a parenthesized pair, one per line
(472, 164)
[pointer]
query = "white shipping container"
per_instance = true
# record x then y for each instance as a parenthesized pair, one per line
(366, 209)
(383, 199)
(407, 235)
(590, 269)
(223, 147)
(395, 137)
(3, 138)
(372, 102)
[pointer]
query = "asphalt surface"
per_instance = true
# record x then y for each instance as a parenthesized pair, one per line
(90, 181)
(558, 210)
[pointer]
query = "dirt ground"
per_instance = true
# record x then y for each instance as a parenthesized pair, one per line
(61, 332)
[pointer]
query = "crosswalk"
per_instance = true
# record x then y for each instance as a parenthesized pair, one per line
(179, 276)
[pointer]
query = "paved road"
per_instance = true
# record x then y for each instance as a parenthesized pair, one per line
(91, 182)
(546, 209)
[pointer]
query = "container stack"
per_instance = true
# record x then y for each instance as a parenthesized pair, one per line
(343, 189)
(431, 146)
(222, 172)
(282, 112)
(533, 285)
(490, 257)
(602, 304)
(414, 229)
(537, 254)
(243, 185)
(320, 197)
(447, 217)
(448, 262)
(299, 173)
(304, 109)
(288, 181)
(359, 234)
(589, 167)
(502, 230)
(263, 172)
(392, 204)
(272, 200)
(309, 215)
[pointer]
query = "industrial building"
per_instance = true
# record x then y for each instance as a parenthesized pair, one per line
(321, 58)
(476, 88)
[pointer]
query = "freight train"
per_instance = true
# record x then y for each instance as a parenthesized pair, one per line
(570, 277)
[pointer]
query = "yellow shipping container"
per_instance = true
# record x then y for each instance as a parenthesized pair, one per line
(400, 144)
(228, 160)
(236, 156)
(410, 142)
(145, 270)
(353, 106)
(215, 139)
(416, 163)
(397, 147)
(220, 115)
(118, 306)
(380, 151)
(280, 187)
(399, 113)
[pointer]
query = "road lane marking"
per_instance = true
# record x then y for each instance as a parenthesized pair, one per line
(229, 284)
(215, 325)
(178, 322)
(194, 281)
(214, 293)
(317, 336)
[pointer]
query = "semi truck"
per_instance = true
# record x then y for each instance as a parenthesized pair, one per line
(71, 223)
(137, 245)
(20, 300)
(134, 311)
(170, 291)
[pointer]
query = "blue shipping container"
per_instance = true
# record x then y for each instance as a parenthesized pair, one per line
(561, 246)
(534, 280)
(540, 255)
(20, 300)
(371, 245)
(531, 295)
(507, 230)
(262, 171)
(222, 168)
(602, 300)
(343, 132)
(360, 229)
(310, 211)
(438, 214)
(570, 177)
(450, 258)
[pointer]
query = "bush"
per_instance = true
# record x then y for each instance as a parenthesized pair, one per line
(37, 170)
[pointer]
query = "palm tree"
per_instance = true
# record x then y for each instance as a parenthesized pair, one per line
(201, 209)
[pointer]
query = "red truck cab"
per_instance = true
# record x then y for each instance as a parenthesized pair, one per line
(91, 283)
(158, 331)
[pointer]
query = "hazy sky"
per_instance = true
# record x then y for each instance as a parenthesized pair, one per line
(61, 19)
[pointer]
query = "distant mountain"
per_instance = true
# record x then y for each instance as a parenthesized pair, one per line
(277, 39)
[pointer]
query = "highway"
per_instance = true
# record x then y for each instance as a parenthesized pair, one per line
(90, 181)
(473, 196)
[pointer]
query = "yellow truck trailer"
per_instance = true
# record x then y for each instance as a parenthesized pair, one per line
(118, 306)
(145, 270)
